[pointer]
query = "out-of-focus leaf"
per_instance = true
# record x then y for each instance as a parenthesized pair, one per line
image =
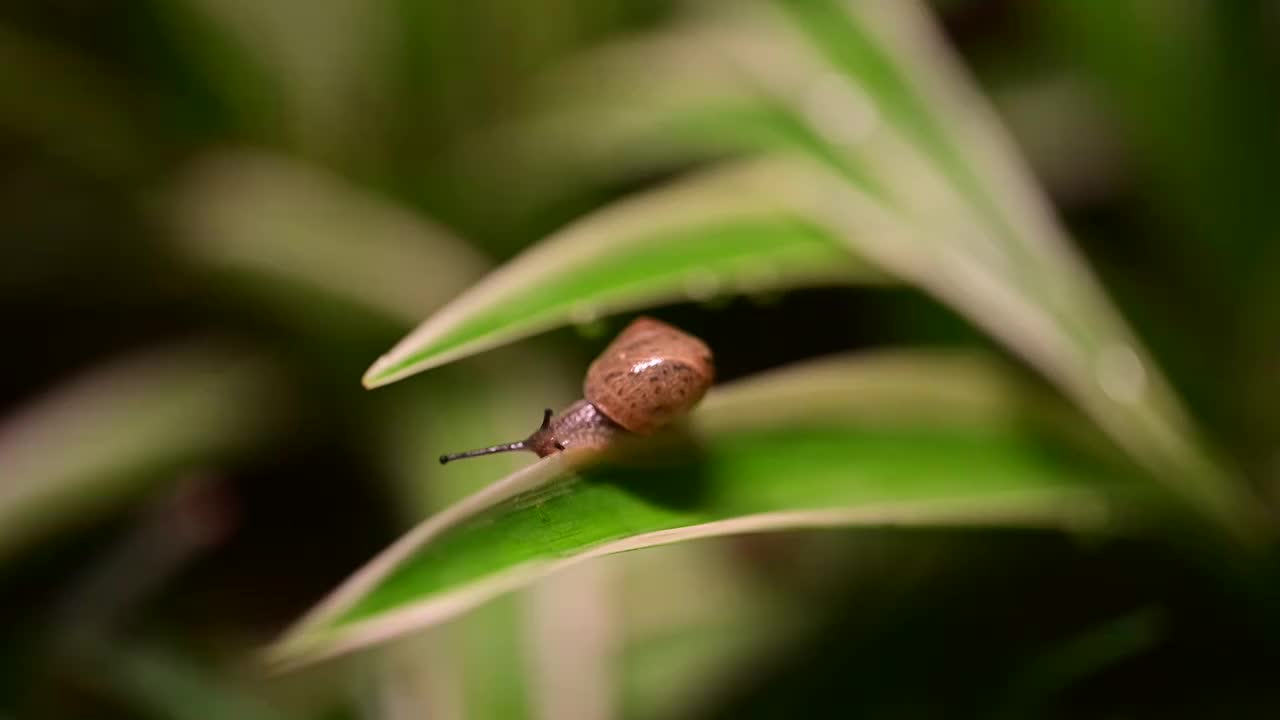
(476, 667)
(319, 56)
(725, 232)
(1043, 678)
(633, 108)
(924, 185)
(78, 112)
(1067, 136)
(165, 685)
(1190, 86)
(692, 620)
(213, 79)
(573, 679)
(294, 226)
(299, 234)
(898, 439)
(1198, 70)
(689, 666)
(100, 439)
(1101, 365)
(487, 664)
(474, 402)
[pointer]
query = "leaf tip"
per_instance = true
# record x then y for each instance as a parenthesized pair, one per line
(376, 376)
(277, 658)
(294, 649)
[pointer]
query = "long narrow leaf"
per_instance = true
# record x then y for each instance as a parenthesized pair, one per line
(1100, 364)
(898, 439)
(296, 227)
(103, 437)
(926, 187)
(724, 232)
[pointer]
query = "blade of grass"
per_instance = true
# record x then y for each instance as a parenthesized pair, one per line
(898, 439)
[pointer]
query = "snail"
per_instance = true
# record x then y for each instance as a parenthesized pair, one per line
(648, 376)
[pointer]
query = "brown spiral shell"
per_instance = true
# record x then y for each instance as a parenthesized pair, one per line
(649, 375)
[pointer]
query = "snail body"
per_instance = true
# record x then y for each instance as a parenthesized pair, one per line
(651, 374)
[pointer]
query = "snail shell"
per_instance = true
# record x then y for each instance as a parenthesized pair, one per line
(649, 375)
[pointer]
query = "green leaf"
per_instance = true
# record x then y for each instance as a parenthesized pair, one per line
(1002, 246)
(161, 683)
(691, 621)
(1195, 105)
(913, 174)
(321, 70)
(102, 438)
(1042, 679)
(474, 668)
(292, 227)
(893, 439)
(724, 232)
(487, 664)
(650, 104)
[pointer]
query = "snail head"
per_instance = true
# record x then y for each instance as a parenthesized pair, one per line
(542, 442)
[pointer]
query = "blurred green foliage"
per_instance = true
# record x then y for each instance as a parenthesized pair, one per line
(212, 524)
